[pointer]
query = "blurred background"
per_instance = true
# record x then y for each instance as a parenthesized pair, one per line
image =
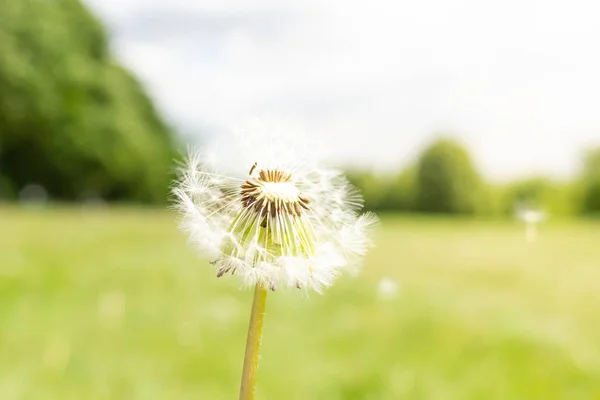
(472, 129)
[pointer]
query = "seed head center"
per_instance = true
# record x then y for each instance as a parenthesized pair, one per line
(282, 191)
(272, 192)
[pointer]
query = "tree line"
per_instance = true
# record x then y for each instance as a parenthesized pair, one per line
(445, 180)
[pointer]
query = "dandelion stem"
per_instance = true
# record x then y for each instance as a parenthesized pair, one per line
(253, 343)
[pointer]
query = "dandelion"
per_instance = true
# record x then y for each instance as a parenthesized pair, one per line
(283, 222)
(531, 217)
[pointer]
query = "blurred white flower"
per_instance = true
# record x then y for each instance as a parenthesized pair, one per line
(33, 195)
(531, 217)
(284, 222)
(387, 289)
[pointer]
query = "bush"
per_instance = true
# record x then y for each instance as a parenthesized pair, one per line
(71, 119)
(446, 180)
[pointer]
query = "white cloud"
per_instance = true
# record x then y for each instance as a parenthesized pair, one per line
(517, 79)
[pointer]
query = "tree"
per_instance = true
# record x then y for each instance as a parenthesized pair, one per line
(71, 119)
(446, 180)
(401, 191)
(590, 182)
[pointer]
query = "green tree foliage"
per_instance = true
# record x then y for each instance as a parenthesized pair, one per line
(591, 183)
(385, 192)
(401, 191)
(372, 187)
(557, 198)
(70, 118)
(446, 180)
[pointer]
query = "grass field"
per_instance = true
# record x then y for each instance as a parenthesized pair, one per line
(112, 304)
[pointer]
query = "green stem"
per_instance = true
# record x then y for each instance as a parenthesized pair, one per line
(253, 343)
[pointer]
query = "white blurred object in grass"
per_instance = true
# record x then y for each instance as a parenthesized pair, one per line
(531, 217)
(33, 195)
(388, 289)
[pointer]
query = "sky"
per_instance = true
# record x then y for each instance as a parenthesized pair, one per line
(518, 81)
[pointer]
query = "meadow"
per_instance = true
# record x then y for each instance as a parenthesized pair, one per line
(110, 303)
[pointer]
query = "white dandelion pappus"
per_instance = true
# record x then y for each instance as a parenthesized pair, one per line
(286, 223)
(531, 217)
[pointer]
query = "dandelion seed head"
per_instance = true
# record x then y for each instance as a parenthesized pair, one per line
(278, 219)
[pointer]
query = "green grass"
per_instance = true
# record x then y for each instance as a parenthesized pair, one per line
(112, 304)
